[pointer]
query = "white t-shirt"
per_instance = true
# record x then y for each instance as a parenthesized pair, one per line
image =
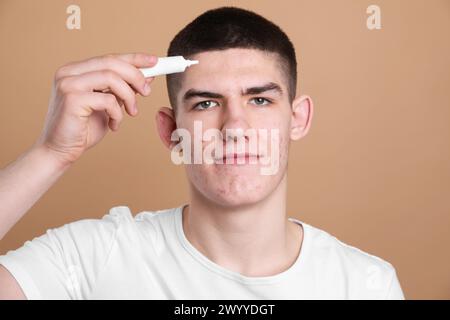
(148, 257)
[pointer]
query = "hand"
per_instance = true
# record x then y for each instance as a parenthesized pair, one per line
(87, 98)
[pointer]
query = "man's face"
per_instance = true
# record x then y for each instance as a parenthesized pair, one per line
(228, 74)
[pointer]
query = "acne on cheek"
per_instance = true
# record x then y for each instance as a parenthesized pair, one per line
(204, 185)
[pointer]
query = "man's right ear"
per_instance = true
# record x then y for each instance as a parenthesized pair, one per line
(166, 124)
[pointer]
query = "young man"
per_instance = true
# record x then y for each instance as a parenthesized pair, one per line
(233, 239)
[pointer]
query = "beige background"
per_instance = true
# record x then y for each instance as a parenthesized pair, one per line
(374, 170)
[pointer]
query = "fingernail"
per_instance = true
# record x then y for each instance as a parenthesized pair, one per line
(135, 109)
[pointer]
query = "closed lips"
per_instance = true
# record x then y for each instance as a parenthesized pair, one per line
(239, 156)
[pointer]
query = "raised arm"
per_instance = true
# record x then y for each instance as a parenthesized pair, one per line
(88, 98)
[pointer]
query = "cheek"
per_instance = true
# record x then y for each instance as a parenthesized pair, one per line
(194, 124)
(281, 128)
(284, 149)
(197, 176)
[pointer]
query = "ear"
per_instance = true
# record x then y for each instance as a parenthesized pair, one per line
(166, 124)
(302, 112)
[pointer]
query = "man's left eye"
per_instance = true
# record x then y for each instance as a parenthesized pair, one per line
(260, 101)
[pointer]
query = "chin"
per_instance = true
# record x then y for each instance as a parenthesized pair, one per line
(237, 197)
(232, 186)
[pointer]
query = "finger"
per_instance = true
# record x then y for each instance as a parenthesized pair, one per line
(119, 101)
(139, 60)
(95, 101)
(124, 65)
(102, 80)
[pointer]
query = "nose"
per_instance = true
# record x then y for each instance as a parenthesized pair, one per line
(235, 121)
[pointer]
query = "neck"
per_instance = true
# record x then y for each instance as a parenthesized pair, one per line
(253, 240)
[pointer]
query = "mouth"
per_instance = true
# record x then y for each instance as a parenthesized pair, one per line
(238, 158)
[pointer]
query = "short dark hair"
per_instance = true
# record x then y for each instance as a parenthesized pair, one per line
(231, 27)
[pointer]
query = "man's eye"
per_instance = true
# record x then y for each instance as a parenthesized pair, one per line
(204, 105)
(260, 101)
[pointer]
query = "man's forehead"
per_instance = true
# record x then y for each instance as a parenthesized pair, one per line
(236, 58)
(230, 70)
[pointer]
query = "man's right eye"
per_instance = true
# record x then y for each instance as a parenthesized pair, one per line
(204, 105)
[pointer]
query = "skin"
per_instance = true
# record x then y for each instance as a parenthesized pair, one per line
(237, 217)
(232, 208)
(88, 99)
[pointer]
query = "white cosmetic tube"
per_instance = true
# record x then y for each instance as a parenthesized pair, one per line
(167, 65)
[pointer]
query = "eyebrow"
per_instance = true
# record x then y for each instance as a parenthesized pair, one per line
(271, 86)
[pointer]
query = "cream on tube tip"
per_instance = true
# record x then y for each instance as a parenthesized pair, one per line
(167, 65)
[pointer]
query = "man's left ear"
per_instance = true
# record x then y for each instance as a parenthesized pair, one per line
(302, 112)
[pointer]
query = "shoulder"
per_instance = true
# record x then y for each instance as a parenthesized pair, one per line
(327, 245)
(363, 274)
(118, 224)
(121, 217)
